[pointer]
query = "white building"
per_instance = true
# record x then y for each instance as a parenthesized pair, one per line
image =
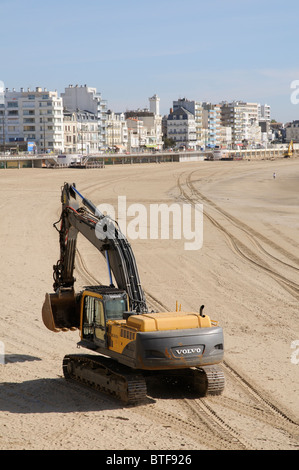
(153, 128)
(70, 132)
(117, 131)
(33, 116)
(155, 105)
(196, 108)
(80, 132)
(243, 119)
(87, 132)
(181, 127)
(225, 137)
(264, 112)
(147, 123)
(84, 98)
(211, 122)
(136, 134)
(264, 115)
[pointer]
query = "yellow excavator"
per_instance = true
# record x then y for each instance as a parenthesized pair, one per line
(290, 150)
(128, 344)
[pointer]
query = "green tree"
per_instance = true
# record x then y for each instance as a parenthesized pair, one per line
(168, 142)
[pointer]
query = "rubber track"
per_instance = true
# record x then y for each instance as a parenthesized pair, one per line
(107, 376)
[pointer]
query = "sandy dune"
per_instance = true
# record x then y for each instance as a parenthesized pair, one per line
(246, 274)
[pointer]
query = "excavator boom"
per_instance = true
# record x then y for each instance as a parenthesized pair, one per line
(105, 235)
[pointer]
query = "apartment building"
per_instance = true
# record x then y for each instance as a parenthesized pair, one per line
(225, 137)
(149, 124)
(196, 108)
(264, 115)
(87, 133)
(70, 131)
(84, 98)
(242, 117)
(264, 112)
(117, 131)
(32, 116)
(181, 127)
(211, 124)
(80, 132)
(151, 127)
(292, 131)
(136, 134)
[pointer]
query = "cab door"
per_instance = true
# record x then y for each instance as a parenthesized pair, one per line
(93, 320)
(99, 322)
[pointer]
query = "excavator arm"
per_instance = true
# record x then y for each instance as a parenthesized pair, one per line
(102, 232)
(60, 309)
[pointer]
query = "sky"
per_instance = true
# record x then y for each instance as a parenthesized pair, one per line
(129, 50)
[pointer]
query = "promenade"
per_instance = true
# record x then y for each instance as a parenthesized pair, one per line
(25, 160)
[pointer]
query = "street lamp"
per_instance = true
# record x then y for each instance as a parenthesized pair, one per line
(44, 128)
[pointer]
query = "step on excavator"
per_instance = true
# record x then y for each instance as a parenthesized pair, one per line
(127, 344)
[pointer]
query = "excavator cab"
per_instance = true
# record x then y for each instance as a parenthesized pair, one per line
(97, 308)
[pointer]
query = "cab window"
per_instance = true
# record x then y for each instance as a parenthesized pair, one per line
(99, 312)
(115, 309)
(88, 316)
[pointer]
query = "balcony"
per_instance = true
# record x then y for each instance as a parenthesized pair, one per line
(29, 105)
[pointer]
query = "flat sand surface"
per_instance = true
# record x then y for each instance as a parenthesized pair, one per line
(246, 274)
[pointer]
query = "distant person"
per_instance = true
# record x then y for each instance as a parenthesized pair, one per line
(274, 175)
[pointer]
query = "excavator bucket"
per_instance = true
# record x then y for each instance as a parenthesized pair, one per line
(60, 311)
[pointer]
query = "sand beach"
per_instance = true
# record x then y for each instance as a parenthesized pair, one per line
(246, 273)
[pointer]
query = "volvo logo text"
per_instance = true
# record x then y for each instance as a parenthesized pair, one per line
(188, 351)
